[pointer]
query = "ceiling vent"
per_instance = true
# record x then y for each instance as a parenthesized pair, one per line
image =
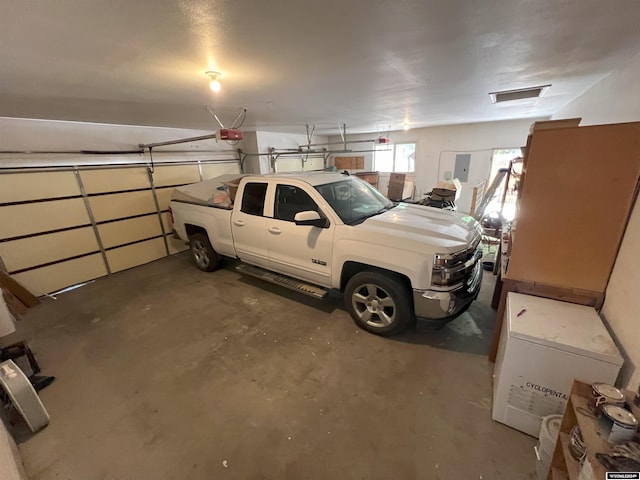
(520, 94)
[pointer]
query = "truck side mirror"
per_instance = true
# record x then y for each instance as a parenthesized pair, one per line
(311, 218)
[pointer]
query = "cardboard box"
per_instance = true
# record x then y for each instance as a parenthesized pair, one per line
(443, 194)
(233, 185)
(396, 186)
(449, 191)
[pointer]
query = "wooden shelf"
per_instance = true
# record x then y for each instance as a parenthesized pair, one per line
(591, 434)
(573, 467)
(594, 438)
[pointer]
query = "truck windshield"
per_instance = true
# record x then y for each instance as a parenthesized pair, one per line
(354, 200)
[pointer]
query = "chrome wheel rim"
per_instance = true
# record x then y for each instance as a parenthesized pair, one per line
(200, 253)
(373, 305)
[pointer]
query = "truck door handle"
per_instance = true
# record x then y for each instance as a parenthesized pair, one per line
(239, 223)
(275, 230)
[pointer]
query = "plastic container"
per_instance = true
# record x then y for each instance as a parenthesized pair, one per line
(605, 394)
(621, 424)
(549, 429)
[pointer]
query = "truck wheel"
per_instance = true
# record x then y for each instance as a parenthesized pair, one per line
(202, 253)
(378, 304)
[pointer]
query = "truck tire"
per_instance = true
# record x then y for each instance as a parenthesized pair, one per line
(202, 253)
(377, 303)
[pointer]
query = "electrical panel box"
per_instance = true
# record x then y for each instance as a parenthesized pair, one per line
(461, 169)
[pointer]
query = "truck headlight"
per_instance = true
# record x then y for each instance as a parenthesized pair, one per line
(442, 260)
(451, 269)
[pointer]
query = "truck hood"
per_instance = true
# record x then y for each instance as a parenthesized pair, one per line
(442, 230)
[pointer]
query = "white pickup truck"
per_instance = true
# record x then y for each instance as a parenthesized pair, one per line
(317, 231)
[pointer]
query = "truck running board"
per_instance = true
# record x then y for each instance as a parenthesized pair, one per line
(282, 280)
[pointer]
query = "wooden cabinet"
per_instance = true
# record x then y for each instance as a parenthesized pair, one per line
(577, 190)
(563, 465)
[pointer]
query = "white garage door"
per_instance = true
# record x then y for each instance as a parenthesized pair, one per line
(65, 225)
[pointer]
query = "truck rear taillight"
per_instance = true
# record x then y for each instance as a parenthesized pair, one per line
(171, 215)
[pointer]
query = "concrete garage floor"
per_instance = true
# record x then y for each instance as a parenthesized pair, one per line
(166, 372)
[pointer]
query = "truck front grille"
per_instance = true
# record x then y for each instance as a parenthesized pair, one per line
(453, 269)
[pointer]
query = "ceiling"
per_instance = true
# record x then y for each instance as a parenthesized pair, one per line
(368, 63)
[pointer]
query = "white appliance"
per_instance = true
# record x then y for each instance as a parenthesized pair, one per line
(545, 345)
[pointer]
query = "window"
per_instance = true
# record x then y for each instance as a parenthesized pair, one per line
(253, 198)
(395, 158)
(354, 200)
(291, 200)
(502, 157)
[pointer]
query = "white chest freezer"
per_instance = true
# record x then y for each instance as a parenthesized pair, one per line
(545, 345)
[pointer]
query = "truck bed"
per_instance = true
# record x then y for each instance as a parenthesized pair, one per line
(204, 193)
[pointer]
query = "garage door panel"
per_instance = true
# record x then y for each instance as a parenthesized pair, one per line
(137, 254)
(176, 245)
(175, 175)
(131, 230)
(289, 164)
(114, 180)
(212, 170)
(30, 218)
(32, 251)
(61, 275)
(164, 197)
(17, 187)
(121, 205)
(314, 164)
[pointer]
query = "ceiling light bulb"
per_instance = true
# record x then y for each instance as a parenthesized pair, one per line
(214, 84)
(406, 126)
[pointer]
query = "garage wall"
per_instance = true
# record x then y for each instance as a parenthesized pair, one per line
(19, 134)
(617, 99)
(252, 163)
(614, 99)
(436, 148)
(68, 218)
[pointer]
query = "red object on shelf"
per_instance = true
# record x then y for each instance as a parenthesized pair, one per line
(383, 140)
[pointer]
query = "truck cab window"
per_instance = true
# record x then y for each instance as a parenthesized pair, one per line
(291, 200)
(253, 198)
(354, 200)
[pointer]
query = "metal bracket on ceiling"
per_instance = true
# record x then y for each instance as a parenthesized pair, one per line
(343, 133)
(309, 136)
(214, 116)
(237, 122)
